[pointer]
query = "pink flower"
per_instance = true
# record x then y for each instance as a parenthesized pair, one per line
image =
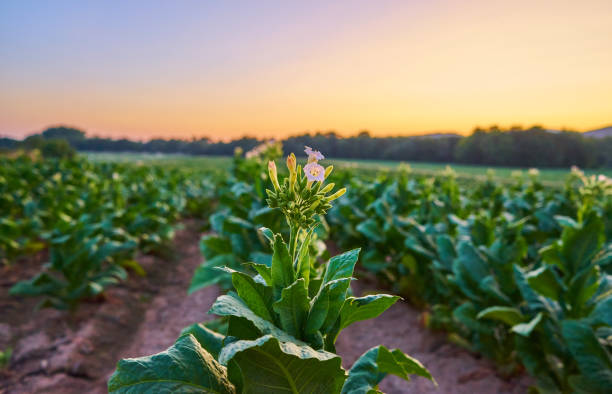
(314, 172)
(313, 155)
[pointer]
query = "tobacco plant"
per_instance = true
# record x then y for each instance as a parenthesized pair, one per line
(563, 323)
(82, 263)
(92, 217)
(242, 209)
(283, 322)
(517, 272)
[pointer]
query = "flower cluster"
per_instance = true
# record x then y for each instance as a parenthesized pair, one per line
(448, 172)
(302, 197)
(313, 170)
(268, 148)
(404, 168)
(533, 174)
(597, 186)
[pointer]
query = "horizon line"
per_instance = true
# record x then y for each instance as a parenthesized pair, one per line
(299, 133)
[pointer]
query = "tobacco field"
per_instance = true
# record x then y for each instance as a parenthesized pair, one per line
(514, 274)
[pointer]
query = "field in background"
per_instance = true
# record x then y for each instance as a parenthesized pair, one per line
(223, 162)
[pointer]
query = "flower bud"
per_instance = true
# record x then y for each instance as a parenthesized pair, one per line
(291, 162)
(337, 194)
(273, 175)
(327, 188)
(328, 171)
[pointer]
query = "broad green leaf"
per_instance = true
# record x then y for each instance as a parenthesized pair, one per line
(604, 257)
(207, 273)
(255, 295)
(546, 282)
(239, 327)
(413, 244)
(602, 314)
(134, 266)
(314, 285)
(370, 229)
(259, 215)
(262, 270)
(282, 268)
(363, 308)
(43, 283)
(446, 250)
(185, 367)
(217, 219)
(231, 305)
(536, 364)
(582, 385)
(508, 315)
(370, 369)
(234, 224)
(390, 361)
(466, 314)
(583, 285)
(533, 300)
(472, 260)
(550, 254)
(490, 287)
(469, 269)
(326, 306)
(269, 366)
(566, 221)
(260, 258)
(341, 266)
(581, 245)
(210, 340)
(594, 362)
(525, 329)
(269, 234)
(212, 245)
(292, 308)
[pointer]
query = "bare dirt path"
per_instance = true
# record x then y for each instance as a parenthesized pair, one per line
(58, 353)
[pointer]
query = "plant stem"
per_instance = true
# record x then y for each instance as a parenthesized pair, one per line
(295, 230)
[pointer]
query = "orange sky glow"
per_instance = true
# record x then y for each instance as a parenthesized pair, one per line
(394, 68)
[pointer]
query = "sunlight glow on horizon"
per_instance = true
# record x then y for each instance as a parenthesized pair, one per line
(144, 70)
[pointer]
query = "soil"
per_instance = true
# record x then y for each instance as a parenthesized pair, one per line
(58, 352)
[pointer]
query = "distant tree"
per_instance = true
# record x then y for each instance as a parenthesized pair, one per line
(35, 141)
(57, 148)
(49, 148)
(493, 146)
(69, 134)
(7, 143)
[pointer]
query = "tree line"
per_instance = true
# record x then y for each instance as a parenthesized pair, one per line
(517, 147)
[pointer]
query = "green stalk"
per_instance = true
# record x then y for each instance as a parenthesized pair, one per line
(295, 231)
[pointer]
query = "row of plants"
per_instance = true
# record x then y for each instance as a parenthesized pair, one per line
(518, 272)
(92, 218)
(283, 314)
(476, 256)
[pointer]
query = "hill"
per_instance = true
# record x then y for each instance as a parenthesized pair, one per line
(599, 133)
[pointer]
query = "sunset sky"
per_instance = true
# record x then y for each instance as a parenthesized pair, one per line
(223, 69)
